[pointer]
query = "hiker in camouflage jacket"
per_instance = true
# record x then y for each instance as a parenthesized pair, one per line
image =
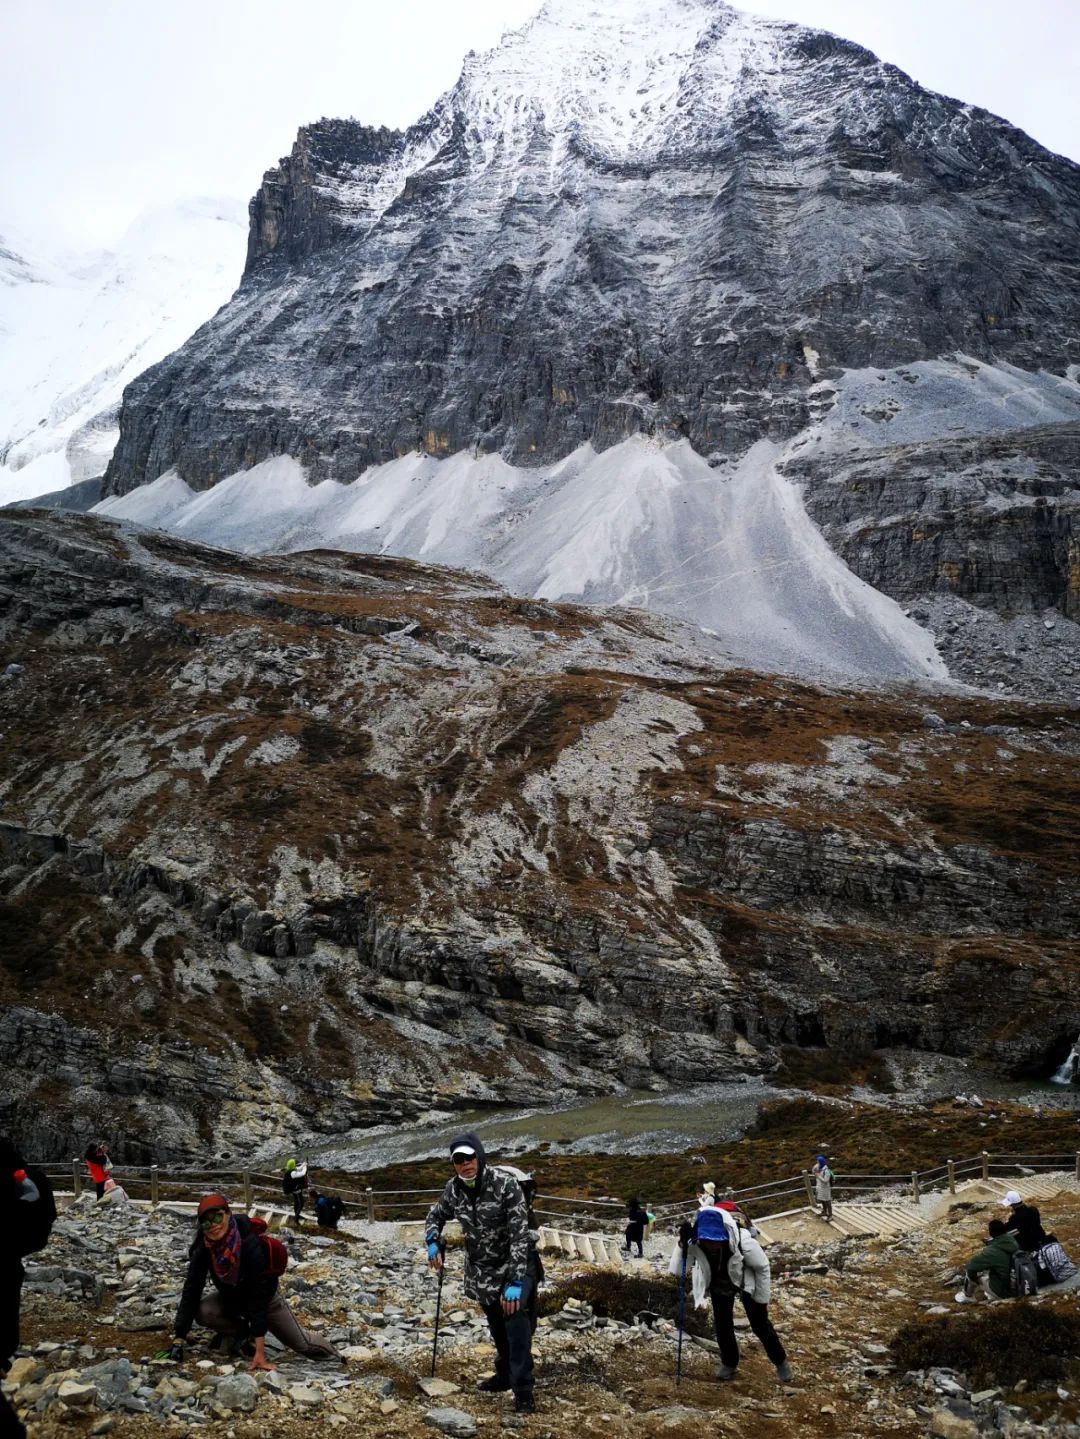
(491, 1209)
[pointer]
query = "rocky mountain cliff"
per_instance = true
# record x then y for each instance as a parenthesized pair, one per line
(631, 216)
(295, 845)
(660, 220)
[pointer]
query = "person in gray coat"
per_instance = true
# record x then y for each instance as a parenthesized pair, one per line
(490, 1206)
(823, 1183)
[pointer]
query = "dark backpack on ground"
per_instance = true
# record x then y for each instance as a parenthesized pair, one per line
(1023, 1275)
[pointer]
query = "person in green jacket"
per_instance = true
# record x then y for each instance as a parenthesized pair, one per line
(995, 1262)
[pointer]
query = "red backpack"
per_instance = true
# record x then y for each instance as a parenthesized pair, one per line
(277, 1256)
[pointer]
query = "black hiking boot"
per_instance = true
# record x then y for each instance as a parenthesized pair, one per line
(493, 1384)
(524, 1403)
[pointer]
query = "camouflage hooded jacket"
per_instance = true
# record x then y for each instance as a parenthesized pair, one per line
(495, 1222)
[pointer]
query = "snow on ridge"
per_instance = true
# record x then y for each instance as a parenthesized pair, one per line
(614, 74)
(645, 523)
(154, 505)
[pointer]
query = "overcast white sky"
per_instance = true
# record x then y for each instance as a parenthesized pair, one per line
(109, 105)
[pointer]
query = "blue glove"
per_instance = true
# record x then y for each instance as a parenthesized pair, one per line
(432, 1249)
(512, 1293)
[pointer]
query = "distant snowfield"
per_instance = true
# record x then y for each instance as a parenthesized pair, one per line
(73, 335)
(648, 524)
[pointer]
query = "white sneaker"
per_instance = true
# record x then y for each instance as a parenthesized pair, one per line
(963, 1298)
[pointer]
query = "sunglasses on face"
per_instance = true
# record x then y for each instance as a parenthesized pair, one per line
(462, 1159)
(214, 1216)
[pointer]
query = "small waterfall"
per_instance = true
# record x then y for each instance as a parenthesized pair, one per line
(1069, 1073)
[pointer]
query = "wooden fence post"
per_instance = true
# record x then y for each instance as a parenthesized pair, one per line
(154, 1185)
(369, 1195)
(985, 1165)
(915, 1185)
(952, 1176)
(248, 1197)
(76, 1176)
(809, 1186)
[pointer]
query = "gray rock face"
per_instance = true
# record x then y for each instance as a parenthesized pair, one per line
(666, 217)
(992, 519)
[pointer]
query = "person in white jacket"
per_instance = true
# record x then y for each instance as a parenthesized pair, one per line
(727, 1261)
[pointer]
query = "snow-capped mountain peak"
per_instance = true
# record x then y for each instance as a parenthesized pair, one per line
(638, 226)
(616, 75)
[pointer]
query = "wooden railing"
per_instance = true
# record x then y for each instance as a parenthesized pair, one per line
(257, 1187)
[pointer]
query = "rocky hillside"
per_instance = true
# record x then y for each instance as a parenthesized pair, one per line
(294, 845)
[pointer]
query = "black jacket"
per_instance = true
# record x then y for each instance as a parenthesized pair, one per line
(247, 1299)
(27, 1213)
(1025, 1223)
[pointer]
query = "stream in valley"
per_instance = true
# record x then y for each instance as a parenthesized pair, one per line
(647, 1122)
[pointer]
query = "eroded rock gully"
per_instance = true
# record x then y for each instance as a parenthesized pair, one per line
(301, 844)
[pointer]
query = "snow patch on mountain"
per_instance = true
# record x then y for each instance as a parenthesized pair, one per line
(74, 333)
(940, 400)
(651, 524)
(645, 523)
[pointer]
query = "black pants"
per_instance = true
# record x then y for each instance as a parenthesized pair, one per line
(11, 1278)
(723, 1308)
(512, 1336)
(298, 1203)
(99, 1187)
(10, 1425)
(635, 1233)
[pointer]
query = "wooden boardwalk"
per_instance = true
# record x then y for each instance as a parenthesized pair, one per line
(887, 1217)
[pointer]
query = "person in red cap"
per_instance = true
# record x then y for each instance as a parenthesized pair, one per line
(229, 1251)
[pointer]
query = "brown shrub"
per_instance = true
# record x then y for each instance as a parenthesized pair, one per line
(1003, 1344)
(614, 1295)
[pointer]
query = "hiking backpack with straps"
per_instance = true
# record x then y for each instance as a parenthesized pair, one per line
(277, 1256)
(1023, 1275)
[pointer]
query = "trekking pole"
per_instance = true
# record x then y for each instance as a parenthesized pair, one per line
(438, 1307)
(682, 1315)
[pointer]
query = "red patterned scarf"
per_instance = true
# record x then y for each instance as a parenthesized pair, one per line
(225, 1254)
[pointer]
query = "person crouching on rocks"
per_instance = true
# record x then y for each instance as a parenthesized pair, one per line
(992, 1266)
(734, 1263)
(491, 1208)
(230, 1252)
(1025, 1222)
